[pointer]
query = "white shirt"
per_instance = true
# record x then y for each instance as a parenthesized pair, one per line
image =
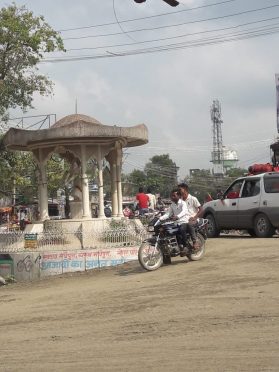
(192, 205)
(180, 210)
(152, 201)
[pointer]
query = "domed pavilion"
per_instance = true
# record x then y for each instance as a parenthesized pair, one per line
(79, 138)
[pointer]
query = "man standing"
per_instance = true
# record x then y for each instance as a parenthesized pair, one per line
(22, 219)
(143, 201)
(152, 199)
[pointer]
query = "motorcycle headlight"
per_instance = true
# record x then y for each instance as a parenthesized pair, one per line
(150, 228)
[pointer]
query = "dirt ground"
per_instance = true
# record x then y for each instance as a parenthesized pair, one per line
(218, 314)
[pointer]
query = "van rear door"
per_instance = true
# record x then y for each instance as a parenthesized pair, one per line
(270, 198)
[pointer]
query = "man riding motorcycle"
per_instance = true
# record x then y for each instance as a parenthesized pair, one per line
(179, 212)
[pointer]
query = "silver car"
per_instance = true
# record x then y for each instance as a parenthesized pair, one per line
(250, 203)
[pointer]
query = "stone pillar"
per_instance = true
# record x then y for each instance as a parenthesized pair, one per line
(43, 195)
(101, 184)
(38, 177)
(118, 180)
(114, 195)
(84, 182)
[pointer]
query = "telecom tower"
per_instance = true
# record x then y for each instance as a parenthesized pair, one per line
(217, 155)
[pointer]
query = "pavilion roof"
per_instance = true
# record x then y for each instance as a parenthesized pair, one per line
(75, 129)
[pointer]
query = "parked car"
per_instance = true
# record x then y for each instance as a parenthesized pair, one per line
(250, 203)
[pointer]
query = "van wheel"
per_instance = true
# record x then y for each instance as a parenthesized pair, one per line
(212, 230)
(262, 226)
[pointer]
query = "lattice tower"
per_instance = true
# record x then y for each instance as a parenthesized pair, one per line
(217, 151)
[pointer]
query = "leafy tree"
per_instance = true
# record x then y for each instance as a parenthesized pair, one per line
(17, 175)
(161, 174)
(201, 182)
(132, 181)
(24, 39)
(236, 172)
(56, 169)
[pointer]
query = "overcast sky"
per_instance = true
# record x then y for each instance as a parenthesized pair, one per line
(169, 91)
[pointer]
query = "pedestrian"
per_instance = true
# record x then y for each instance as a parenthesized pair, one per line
(160, 204)
(142, 201)
(152, 199)
(22, 219)
(107, 209)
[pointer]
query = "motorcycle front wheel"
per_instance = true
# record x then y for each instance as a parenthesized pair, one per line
(150, 257)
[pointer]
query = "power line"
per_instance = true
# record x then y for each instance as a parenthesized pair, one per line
(147, 17)
(179, 36)
(169, 47)
(177, 24)
(158, 172)
(164, 170)
(205, 148)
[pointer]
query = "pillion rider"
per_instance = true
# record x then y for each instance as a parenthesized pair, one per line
(193, 205)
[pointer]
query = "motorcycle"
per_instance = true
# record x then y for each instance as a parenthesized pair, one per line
(165, 241)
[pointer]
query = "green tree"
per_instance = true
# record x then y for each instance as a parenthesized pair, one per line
(132, 181)
(236, 172)
(17, 175)
(24, 39)
(201, 182)
(161, 174)
(56, 169)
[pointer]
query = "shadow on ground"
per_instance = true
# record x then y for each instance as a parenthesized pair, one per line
(137, 269)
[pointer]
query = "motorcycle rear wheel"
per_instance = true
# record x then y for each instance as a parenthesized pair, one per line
(149, 257)
(196, 256)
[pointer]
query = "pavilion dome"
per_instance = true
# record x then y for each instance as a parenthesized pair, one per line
(75, 118)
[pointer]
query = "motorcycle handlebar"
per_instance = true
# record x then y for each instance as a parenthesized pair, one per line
(156, 222)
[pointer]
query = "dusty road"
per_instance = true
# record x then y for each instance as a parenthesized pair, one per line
(219, 314)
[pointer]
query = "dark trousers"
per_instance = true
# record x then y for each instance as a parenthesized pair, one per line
(187, 228)
(22, 224)
(142, 211)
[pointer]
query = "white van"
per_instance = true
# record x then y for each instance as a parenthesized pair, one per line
(250, 203)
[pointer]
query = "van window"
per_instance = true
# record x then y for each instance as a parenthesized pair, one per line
(251, 188)
(234, 190)
(271, 185)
